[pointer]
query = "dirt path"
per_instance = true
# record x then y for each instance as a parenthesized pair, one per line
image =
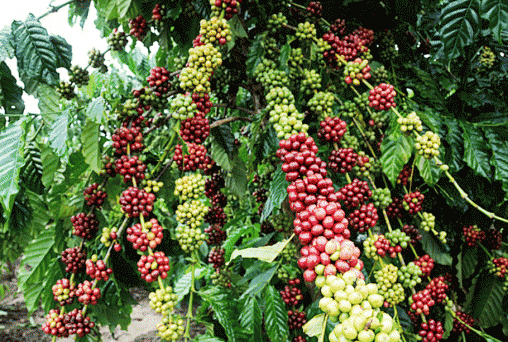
(17, 326)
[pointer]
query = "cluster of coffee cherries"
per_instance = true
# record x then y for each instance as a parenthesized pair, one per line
(342, 160)
(135, 202)
(413, 233)
(473, 235)
(138, 27)
(487, 58)
(305, 31)
(410, 123)
(85, 226)
(230, 7)
(409, 275)
(499, 266)
(147, 236)
(426, 264)
(216, 257)
(153, 266)
(123, 137)
(97, 269)
(310, 83)
(321, 104)
(110, 236)
(215, 30)
(315, 9)
(458, 326)
(163, 300)
(428, 144)
(66, 90)
(355, 193)
(130, 168)
(431, 331)
(269, 76)
(64, 291)
(195, 77)
(182, 107)
(382, 97)
(195, 159)
(96, 59)
(348, 47)
(63, 325)
(357, 70)
(331, 129)
(381, 197)
(281, 221)
(275, 22)
(413, 202)
(404, 175)
(78, 76)
(95, 195)
(389, 288)
(363, 218)
(283, 113)
(117, 40)
(171, 328)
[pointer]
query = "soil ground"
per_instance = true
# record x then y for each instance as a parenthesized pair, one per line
(17, 326)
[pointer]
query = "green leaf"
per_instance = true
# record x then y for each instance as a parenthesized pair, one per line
(498, 141)
(314, 327)
(35, 51)
(237, 30)
(10, 92)
(460, 23)
(395, 154)
(49, 101)
(278, 193)
(224, 308)
(6, 44)
(435, 249)
(259, 282)
(265, 253)
(91, 150)
(123, 7)
(233, 236)
(275, 315)
(448, 326)
(50, 163)
(95, 110)
(58, 133)
(79, 9)
(496, 12)
(476, 153)
(455, 139)
(429, 171)
(183, 285)
(488, 300)
(466, 265)
(255, 55)
(251, 318)
(11, 159)
(237, 180)
(285, 53)
(63, 50)
(37, 256)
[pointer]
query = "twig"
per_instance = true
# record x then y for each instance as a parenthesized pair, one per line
(55, 9)
(226, 120)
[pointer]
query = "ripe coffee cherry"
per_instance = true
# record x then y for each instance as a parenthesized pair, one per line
(364, 218)
(493, 239)
(216, 257)
(426, 264)
(473, 235)
(136, 201)
(231, 7)
(196, 129)
(130, 168)
(421, 302)
(404, 175)
(383, 246)
(315, 9)
(395, 209)
(196, 159)
(158, 12)
(498, 266)
(338, 27)
(54, 324)
(458, 326)
(382, 97)
(296, 319)
(413, 202)
(299, 164)
(331, 129)
(291, 295)
(431, 331)
(216, 216)
(299, 338)
(86, 295)
(342, 160)
(296, 143)
(127, 136)
(355, 71)
(95, 195)
(150, 236)
(438, 288)
(215, 234)
(85, 226)
(74, 260)
(159, 81)
(76, 323)
(64, 291)
(153, 266)
(163, 300)
(97, 270)
(413, 233)
(138, 27)
(355, 193)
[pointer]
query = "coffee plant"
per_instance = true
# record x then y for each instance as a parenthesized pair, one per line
(289, 171)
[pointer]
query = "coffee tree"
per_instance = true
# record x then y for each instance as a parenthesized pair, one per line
(288, 171)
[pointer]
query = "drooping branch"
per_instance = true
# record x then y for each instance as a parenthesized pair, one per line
(230, 119)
